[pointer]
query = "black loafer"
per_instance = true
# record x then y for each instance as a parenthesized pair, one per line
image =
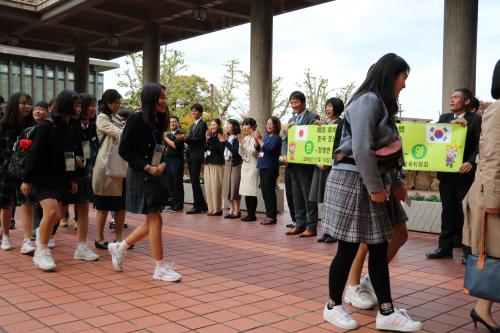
(194, 211)
(330, 240)
(323, 238)
(249, 219)
(228, 216)
(439, 253)
(102, 246)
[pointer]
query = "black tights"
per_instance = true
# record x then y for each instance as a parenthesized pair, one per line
(251, 203)
(378, 268)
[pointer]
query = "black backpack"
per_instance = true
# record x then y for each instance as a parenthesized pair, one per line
(17, 163)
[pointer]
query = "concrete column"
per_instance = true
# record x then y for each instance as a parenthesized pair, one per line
(151, 53)
(81, 69)
(261, 61)
(459, 47)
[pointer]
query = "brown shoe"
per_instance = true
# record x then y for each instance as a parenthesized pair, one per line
(268, 221)
(296, 231)
(308, 233)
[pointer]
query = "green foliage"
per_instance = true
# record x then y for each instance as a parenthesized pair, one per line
(431, 198)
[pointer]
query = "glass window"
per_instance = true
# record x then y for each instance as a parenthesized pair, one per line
(50, 83)
(4, 79)
(38, 84)
(71, 80)
(28, 78)
(16, 77)
(60, 79)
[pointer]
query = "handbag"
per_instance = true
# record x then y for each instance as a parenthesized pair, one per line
(482, 274)
(116, 166)
(391, 155)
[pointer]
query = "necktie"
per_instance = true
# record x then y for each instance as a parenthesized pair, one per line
(299, 118)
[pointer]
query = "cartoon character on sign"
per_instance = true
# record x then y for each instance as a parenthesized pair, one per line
(451, 154)
(419, 151)
(309, 147)
(291, 149)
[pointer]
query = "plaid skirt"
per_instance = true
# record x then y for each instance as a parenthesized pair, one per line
(351, 216)
(145, 194)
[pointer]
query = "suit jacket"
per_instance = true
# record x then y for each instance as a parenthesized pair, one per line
(308, 118)
(196, 141)
(471, 140)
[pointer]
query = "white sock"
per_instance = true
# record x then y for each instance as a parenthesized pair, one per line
(159, 262)
(81, 244)
(27, 239)
(123, 246)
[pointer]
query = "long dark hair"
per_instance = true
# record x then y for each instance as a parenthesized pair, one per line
(87, 100)
(109, 96)
(10, 118)
(149, 100)
(380, 80)
(64, 104)
(495, 85)
(236, 126)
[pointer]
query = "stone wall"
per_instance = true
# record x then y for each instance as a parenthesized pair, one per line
(422, 181)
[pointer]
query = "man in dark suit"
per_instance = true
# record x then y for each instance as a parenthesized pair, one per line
(174, 156)
(306, 212)
(454, 186)
(195, 154)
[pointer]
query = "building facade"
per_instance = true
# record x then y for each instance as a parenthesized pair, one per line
(44, 74)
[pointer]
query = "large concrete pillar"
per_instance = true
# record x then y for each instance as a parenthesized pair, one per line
(261, 61)
(459, 47)
(81, 69)
(151, 53)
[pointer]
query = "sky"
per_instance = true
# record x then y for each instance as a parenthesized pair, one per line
(339, 40)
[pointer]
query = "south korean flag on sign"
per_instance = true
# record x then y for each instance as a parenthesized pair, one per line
(301, 133)
(438, 134)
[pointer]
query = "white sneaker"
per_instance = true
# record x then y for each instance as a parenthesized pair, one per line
(52, 242)
(27, 248)
(6, 243)
(359, 297)
(43, 260)
(366, 284)
(82, 252)
(397, 321)
(117, 256)
(338, 316)
(165, 272)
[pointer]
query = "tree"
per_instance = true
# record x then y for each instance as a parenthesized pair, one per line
(223, 97)
(316, 91)
(345, 93)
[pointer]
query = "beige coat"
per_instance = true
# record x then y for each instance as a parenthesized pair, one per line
(110, 130)
(485, 192)
(249, 183)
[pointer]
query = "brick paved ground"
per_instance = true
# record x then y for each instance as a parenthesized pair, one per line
(237, 277)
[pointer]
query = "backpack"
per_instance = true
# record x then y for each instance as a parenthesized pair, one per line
(20, 152)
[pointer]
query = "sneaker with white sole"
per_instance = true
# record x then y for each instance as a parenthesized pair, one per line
(338, 316)
(359, 297)
(6, 243)
(27, 247)
(166, 272)
(398, 321)
(117, 256)
(82, 252)
(52, 242)
(367, 285)
(43, 260)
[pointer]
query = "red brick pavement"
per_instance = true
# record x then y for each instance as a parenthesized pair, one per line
(237, 277)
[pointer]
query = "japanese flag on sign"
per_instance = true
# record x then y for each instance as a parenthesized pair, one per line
(301, 133)
(438, 133)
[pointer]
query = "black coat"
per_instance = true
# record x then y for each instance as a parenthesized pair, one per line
(196, 141)
(215, 151)
(471, 140)
(138, 142)
(46, 166)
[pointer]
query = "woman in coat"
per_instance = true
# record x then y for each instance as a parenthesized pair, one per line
(249, 184)
(109, 192)
(232, 169)
(484, 197)
(142, 146)
(214, 168)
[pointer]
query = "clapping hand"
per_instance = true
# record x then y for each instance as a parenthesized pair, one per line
(222, 137)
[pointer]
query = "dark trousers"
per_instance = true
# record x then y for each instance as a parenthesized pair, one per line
(289, 192)
(174, 174)
(268, 179)
(306, 212)
(194, 173)
(251, 203)
(452, 190)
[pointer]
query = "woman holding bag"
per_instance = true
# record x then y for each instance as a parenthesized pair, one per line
(109, 192)
(142, 147)
(484, 198)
